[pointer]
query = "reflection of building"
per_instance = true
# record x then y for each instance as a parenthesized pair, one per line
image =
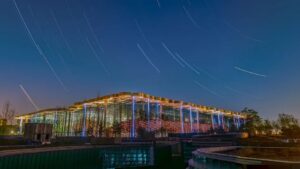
(131, 111)
(3, 122)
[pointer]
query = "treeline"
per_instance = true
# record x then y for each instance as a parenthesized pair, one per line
(7, 116)
(286, 125)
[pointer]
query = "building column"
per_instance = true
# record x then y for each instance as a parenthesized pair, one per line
(160, 115)
(133, 118)
(198, 127)
(55, 126)
(238, 122)
(228, 124)
(219, 119)
(157, 114)
(65, 124)
(83, 134)
(21, 126)
(181, 119)
(191, 119)
(235, 121)
(69, 123)
(223, 121)
(212, 121)
(148, 114)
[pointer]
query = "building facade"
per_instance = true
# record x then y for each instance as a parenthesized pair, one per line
(125, 113)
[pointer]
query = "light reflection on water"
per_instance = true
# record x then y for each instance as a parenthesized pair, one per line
(92, 158)
(122, 157)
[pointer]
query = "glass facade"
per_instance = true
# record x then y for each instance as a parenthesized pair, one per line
(124, 113)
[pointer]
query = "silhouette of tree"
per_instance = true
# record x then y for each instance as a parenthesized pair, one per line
(8, 112)
(254, 124)
(289, 126)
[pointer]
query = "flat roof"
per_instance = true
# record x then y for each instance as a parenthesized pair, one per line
(139, 95)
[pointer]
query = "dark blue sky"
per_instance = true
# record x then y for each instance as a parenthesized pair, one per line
(229, 54)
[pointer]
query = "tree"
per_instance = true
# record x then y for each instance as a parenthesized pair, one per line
(276, 127)
(254, 124)
(267, 127)
(287, 120)
(289, 126)
(8, 112)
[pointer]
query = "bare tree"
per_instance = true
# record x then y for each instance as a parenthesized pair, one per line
(8, 112)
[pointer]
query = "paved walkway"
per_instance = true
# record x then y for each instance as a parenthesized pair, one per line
(42, 149)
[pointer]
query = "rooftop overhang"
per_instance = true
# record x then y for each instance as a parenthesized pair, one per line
(43, 111)
(139, 96)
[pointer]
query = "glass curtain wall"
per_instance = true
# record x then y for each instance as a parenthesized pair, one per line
(124, 117)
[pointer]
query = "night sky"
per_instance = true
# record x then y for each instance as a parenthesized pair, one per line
(225, 53)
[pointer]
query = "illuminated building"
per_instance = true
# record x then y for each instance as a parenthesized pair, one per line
(131, 111)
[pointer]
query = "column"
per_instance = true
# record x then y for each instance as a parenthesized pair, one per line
(133, 118)
(212, 121)
(238, 122)
(181, 118)
(223, 121)
(65, 124)
(157, 115)
(55, 126)
(219, 119)
(198, 122)
(148, 114)
(160, 115)
(234, 121)
(191, 119)
(69, 123)
(21, 126)
(83, 134)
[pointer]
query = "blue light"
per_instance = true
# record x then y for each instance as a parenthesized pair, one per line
(191, 119)
(238, 122)
(212, 120)
(148, 114)
(84, 121)
(223, 121)
(198, 121)
(158, 113)
(133, 118)
(219, 120)
(228, 125)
